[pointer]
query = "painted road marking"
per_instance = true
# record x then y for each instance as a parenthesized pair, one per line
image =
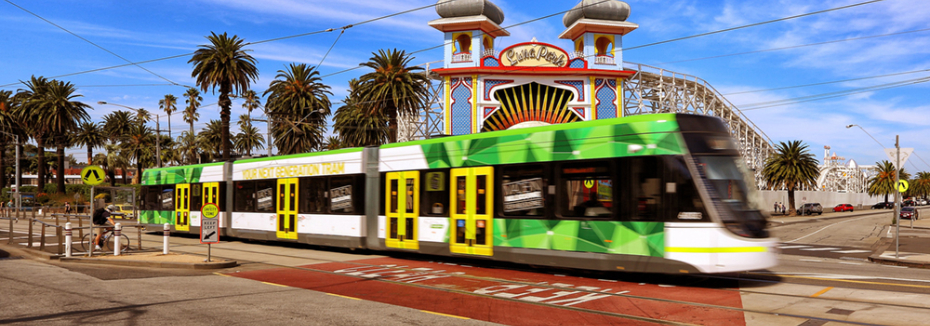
(816, 260)
(792, 247)
(269, 283)
(221, 274)
(446, 315)
(856, 251)
(822, 292)
(342, 296)
(855, 281)
(820, 249)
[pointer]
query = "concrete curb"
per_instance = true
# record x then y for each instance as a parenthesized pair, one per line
(23, 251)
(883, 246)
(142, 263)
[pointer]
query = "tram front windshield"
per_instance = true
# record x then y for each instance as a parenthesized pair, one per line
(737, 204)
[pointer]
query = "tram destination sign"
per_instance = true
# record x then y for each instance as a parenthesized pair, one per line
(523, 195)
(209, 224)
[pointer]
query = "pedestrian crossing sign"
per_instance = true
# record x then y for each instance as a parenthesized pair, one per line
(92, 175)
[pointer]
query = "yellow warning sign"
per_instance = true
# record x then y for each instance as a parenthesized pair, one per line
(589, 184)
(210, 211)
(92, 175)
(903, 185)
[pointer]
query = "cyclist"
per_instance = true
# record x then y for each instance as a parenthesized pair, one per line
(100, 218)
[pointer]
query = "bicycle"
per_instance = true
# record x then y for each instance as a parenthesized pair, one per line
(108, 238)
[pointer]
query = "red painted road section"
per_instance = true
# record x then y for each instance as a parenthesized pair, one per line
(536, 303)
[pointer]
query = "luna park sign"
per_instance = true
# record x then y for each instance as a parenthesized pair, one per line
(534, 55)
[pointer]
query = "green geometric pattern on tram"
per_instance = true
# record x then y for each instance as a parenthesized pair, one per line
(156, 217)
(652, 138)
(630, 238)
(172, 176)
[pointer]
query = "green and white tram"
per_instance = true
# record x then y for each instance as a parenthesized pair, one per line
(652, 193)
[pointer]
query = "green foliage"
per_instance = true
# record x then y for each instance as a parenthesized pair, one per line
(883, 182)
(791, 166)
(298, 104)
(42, 198)
(50, 188)
(393, 88)
(356, 126)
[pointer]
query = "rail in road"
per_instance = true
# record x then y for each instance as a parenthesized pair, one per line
(517, 295)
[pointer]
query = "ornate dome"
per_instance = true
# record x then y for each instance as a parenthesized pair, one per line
(612, 10)
(464, 8)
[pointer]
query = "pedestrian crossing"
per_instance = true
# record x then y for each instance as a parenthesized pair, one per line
(823, 251)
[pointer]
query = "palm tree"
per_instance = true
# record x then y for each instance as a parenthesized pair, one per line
(29, 112)
(393, 89)
(252, 101)
(91, 135)
(142, 116)
(299, 105)
(883, 182)
(792, 166)
(139, 145)
(333, 143)
(6, 123)
(210, 138)
(116, 159)
(62, 114)
(187, 146)
(116, 127)
(921, 185)
(357, 127)
(226, 64)
(193, 102)
(169, 104)
(249, 137)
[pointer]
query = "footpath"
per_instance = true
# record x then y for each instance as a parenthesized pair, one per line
(914, 242)
(27, 240)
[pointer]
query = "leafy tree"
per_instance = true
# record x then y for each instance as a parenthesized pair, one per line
(333, 143)
(792, 166)
(138, 145)
(394, 88)
(249, 137)
(143, 116)
(30, 111)
(226, 64)
(187, 146)
(116, 128)
(883, 182)
(355, 125)
(298, 104)
(211, 137)
(91, 135)
(169, 104)
(921, 185)
(6, 123)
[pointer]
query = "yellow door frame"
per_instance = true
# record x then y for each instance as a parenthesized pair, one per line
(287, 208)
(478, 226)
(182, 207)
(402, 210)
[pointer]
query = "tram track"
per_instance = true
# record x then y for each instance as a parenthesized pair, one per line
(589, 292)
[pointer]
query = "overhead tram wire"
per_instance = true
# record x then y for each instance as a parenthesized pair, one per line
(256, 42)
(94, 44)
(817, 97)
(826, 83)
(798, 46)
(754, 24)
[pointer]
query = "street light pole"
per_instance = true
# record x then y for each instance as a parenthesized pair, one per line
(897, 196)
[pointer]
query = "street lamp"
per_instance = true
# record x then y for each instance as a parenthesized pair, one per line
(897, 198)
(867, 133)
(157, 131)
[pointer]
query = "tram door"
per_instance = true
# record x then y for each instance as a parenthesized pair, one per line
(403, 208)
(287, 208)
(472, 220)
(182, 207)
(210, 195)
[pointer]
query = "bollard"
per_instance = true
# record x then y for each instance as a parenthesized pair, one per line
(42, 239)
(61, 241)
(116, 233)
(29, 245)
(167, 233)
(68, 239)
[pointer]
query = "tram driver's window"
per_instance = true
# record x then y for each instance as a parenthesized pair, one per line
(587, 190)
(435, 193)
(524, 190)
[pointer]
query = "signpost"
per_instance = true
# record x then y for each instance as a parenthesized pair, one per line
(209, 226)
(92, 175)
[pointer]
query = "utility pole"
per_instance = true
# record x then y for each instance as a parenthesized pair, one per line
(897, 196)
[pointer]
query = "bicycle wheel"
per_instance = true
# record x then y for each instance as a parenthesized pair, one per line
(85, 242)
(123, 242)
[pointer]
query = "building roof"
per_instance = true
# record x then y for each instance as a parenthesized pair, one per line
(610, 10)
(465, 8)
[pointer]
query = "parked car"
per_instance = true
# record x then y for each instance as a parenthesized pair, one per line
(883, 205)
(810, 209)
(922, 202)
(910, 213)
(843, 208)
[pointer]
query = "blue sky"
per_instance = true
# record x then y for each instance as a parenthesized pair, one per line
(143, 30)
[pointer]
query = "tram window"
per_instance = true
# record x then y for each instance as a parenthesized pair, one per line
(393, 189)
(221, 196)
(265, 196)
(313, 195)
(196, 196)
(681, 194)
(150, 198)
(643, 201)
(434, 196)
(587, 190)
(245, 196)
(167, 198)
(342, 197)
(524, 190)
(409, 192)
